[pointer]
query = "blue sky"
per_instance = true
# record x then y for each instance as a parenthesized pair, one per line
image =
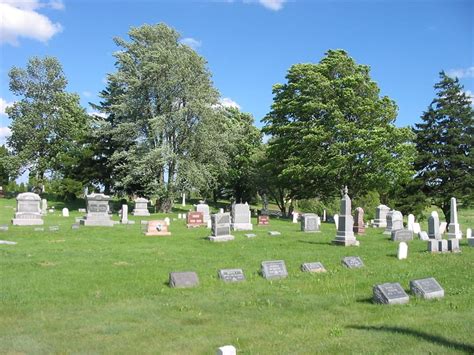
(249, 45)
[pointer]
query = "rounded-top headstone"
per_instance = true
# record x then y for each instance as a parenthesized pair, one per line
(402, 251)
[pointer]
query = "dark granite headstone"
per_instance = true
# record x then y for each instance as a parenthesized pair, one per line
(231, 275)
(313, 267)
(427, 288)
(274, 269)
(390, 293)
(183, 279)
(402, 235)
(352, 262)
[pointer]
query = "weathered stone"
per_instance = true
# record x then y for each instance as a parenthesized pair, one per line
(433, 226)
(141, 207)
(394, 222)
(402, 251)
(442, 227)
(359, 226)
(402, 235)
(380, 220)
(390, 293)
(453, 245)
(65, 212)
(274, 269)
(231, 275)
(423, 235)
(3, 228)
(183, 279)
(433, 246)
(313, 267)
(454, 231)
(310, 223)
(28, 211)
(345, 232)
(411, 223)
(220, 228)
(157, 228)
(44, 207)
(124, 214)
(426, 288)
(241, 217)
(204, 208)
(417, 228)
(295, 217)
(352, 262)
(97, 211)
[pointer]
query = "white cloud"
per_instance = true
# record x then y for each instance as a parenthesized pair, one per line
(273, 5)
(3, 105)
(20, 19)
(461, 73)
(227, 102)
(191, 42)
(4, 133)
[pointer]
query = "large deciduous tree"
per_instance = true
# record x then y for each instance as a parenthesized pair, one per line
(332, 128)
(444, 141)
(47, 121)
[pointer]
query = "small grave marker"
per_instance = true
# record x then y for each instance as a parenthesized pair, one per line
(263, 220)
(423, 235)
(53, 228)
(274, 233)
(313, 267)
(402, 235)
(183, 279)
(195, 219)
(427, 288)
(157, 228)
(402, 251)
(75, 226)
(453, 245)
(250, 235)
(4, 228)
(272, 270)
(390, 293)
(352, 262)
(231, 275)
(39, 229)
(227, 350)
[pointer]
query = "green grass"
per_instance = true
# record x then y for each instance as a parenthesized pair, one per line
(104, 290)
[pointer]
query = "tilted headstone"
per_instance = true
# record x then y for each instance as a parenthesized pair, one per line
(195, 219)
(227, 350)
(97, 211)
(241, 217)
(231, 275)
(433, 226)
(44, 206)
(380, 220)
(345, 231)
(359, 226)
(295, 217)
(310, 222)
(141, 207)
(313, 267)
(220, 228)
(124, 215)
(453, 245)
(442, 227)
(352, 262)
(65, 212)
(426, 288)
(402, 251)
(390, 293)
(28, 210)
(183, 279)
(263, 220)
(272, 270)
(157, 228)
(411, 222)
(454, 231)
(402, 235)
(204, 208)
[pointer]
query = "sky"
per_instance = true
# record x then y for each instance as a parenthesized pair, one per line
(250, 45)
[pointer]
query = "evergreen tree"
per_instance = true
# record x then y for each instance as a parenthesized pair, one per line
(444, 141)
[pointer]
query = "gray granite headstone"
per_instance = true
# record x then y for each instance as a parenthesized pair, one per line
(141, 207)
(231, 275)
(390, 293)
(427, 288)
(402, 235)
(310, 222)
(313, 267)
(241, 217)
(220, 228)
(380, 220)
(274, 269)
(28, 211)
(352, 262)
(97, 211)
(433, 226)
(183, 279)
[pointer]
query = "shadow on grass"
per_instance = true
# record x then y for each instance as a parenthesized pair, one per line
(311, 242)
(468, 348)
(365, 300)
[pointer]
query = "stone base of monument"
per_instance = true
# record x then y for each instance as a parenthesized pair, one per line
(27, 222)
(96, 222)
(242, 226)
(221, 238)
(454, 232)
(140, 213)
(345, 240)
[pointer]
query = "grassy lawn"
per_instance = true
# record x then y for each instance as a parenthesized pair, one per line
(104, 290)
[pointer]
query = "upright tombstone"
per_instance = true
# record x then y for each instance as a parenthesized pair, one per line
(454, 232)
(389, 227)
(390, 293)
(44, 207)
(227, 350)
(324, 215)
(124, 214)
(295, 216)
(442, 227)
(469, 233)
(401, 235)
(359, 226)
(380, 220)
(65, 212)
(433, 226)
(336, 220)
(310, 222)
(157, 228)
(141, 207)
(426, 288)
(204, 208)
(402, 251)
(195, 219)
(345, 231)
(272, 270)
(241, 217)
(97, 211)
(28, 210)
(411, 222)
(220, 228)
(263, 220)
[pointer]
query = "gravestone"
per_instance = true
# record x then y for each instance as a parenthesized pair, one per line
(443, 245)
(359, 227)
(183, 279)
(231, 275)
(274, 233)
(38, 229)
(345, 231)
(417, 228)
(7, 242)
(263, 220)
(411, 223)
(310, 223)
(470, 242)
(453, 245)
(44, 207)
(295, 217)
(53, 228)
(402, 251)
(324, 215)
(141, 207)
(65, 212)
(250, 235)
(28, 211)
(433, 226)
(442, 227)
(454, 232)
(272, 270)
(390, 293)
(426, 288)
(313, 267)
(336, 220)
(241, 217)
(167, 221)
(97, 211)
(209, 224)
(352, 262)
(220, 228)
(394, 222)
(157, 228)
(3, 228)
(402, 235)
(81, 210)
(380, 220)
(204, 208)
(75, 226)
(423, 235)
(124, 215)
(227, 350)
(469, 233)
(195, 219)
(433, 246)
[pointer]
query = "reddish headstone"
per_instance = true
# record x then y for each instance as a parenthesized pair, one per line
(359, 227)
(195, 219)
(263, 220)
(157, 228)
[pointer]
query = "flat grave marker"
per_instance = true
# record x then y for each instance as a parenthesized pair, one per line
(426, 288)
(313, 267)
(274, 233)
(390, 293)
(157, 228)
(183, 279)
(231, 275)
(352, 262)
(195, 219)
(272, 270)
(263, 220)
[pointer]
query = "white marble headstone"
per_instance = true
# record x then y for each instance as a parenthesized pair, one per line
(402, 251)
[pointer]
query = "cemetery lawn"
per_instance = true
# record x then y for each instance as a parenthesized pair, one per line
(104, 290)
